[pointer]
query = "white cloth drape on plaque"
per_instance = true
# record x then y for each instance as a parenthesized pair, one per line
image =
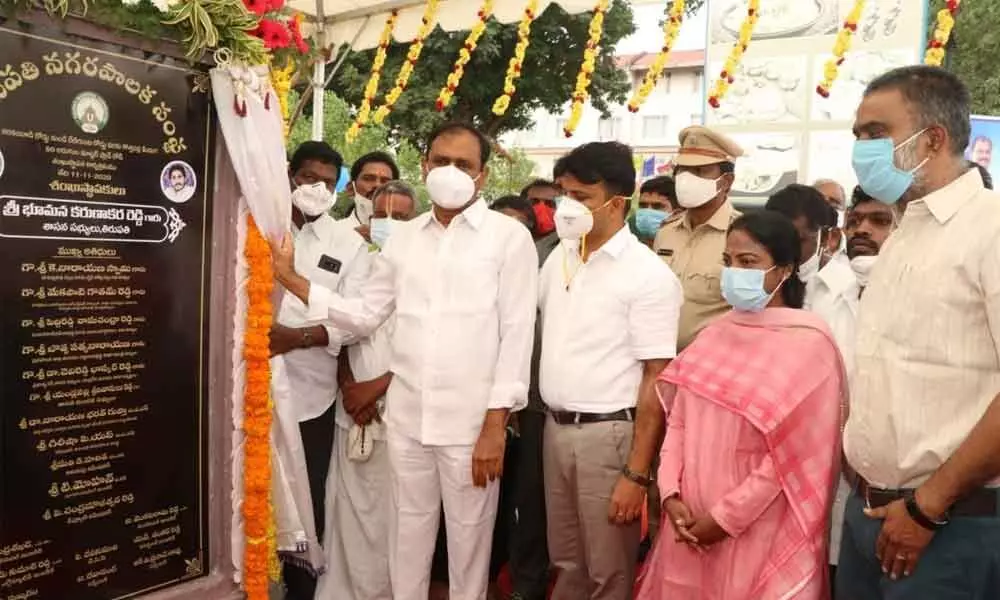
(250, 120)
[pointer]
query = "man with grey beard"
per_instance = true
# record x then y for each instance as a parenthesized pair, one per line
(923, 438)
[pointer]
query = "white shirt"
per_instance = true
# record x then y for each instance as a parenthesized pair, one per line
(927, 360)
(621, 307)
(179, 196)
(834, 295)
(336, 257)
(464, 298)
(370, 359)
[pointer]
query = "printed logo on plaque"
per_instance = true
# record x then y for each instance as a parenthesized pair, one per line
(90, 111)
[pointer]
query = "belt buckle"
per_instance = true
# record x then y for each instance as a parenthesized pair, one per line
(868, 494)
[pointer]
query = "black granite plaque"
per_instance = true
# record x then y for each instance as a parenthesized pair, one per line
(105, 195)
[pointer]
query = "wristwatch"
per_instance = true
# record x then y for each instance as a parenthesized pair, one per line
(307, 338)
(638, 478)
(910, 500)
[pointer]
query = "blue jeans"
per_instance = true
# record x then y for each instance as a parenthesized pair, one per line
(962, 562)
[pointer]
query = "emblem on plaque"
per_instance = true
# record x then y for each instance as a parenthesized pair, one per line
(90, 111)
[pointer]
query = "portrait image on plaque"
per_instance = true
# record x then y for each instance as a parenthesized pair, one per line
(178, 181)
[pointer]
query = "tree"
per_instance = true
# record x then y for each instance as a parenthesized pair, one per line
(547, 81)
(973, 52)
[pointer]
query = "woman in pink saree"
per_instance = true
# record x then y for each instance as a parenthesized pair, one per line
(752, 450)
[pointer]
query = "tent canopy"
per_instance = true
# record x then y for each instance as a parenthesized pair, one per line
(360, 22)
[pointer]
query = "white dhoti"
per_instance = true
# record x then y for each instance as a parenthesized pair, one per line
(358, 509)
(422, 478)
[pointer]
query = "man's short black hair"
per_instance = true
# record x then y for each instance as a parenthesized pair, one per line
(374, 157)
(938, 97)
(538, 183)
(799, 200)
(662, 185)
(984, 174)
(858, 196)
(456, 127)
(176, 168)
(609, 163)
(317, 151)
(519, 204)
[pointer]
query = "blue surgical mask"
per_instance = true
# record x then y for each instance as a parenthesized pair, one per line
(648, 221)
(380, 230)
(744, 289)
(874, 163)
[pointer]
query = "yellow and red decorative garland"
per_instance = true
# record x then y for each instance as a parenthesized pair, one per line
(671, 29)
(735, 55)
(942, 33)
(586, 74)
(281, 81)
(840, 48)
(258, 529)
(464, 56)
(427, 24)
(502, 103)
(371, 88)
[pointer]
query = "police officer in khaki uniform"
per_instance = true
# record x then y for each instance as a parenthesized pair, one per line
(693, 244)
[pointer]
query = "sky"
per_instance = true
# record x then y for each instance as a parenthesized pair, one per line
(649, 35)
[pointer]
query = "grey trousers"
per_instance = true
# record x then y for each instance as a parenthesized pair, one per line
(962, 562)
(596, 558)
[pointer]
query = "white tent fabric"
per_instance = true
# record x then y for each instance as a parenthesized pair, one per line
(361, 21)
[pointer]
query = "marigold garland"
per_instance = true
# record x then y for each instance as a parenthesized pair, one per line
(735, 55)
(840, 48)
(257, 510)
(671, 29)
(942, 33)
(427, 24)
(464, 56)
(281, 81)
(371, 88)
(586, 74)
(502, 103)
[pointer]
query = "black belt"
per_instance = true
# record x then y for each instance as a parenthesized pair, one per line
(980, 503)
(583, 418)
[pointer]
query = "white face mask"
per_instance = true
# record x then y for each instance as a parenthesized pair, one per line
(694, 191)
(380, 230)
(313, 200)
(363, 209)
(862, 267)
(450, 187)
(809, 268)
(573, 219)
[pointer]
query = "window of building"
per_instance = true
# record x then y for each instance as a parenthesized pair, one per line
(609, 129)
(655, 127)
(665, 81)
(699, 81)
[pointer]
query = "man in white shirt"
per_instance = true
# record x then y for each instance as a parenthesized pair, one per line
(836, 296)
(610, 311)
(358, 489)
(332, 255)
(836, 197)
(923, 436)
(462, 280)
(815, 220)
(369, 173)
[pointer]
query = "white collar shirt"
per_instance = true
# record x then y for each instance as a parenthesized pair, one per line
(833, 294)
(601, 319)
(927, 359)
(334, 256)
(464, 300)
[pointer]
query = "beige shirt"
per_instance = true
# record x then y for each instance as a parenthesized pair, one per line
(926, 359)
(695, 255)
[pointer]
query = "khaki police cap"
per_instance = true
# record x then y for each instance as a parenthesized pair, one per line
(703, 146)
